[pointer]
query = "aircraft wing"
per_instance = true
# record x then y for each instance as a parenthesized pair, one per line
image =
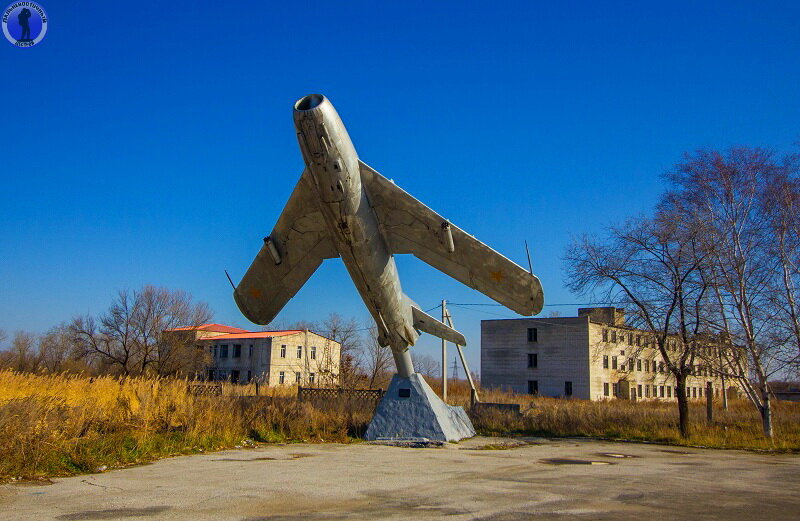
(412, 227)
(301, 242)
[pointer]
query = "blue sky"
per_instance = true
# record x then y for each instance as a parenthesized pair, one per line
(153, 144)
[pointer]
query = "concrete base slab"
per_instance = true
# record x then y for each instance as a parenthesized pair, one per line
(410, 410)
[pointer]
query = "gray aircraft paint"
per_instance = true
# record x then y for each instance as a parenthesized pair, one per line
(343, 208)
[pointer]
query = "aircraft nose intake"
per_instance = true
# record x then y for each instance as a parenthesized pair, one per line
(309, 102)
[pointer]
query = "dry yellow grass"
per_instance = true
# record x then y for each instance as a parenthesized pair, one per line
(60, 425)
(656, 421)
(55, 425)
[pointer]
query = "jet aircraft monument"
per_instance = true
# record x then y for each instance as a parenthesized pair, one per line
(342, 208)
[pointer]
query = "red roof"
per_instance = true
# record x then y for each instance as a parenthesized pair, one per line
(216, 328)
(254, 334)
(234, 333)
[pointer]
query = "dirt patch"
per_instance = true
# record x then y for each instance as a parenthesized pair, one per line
(114, 513)
(570, 461)
(616, 455)
(298, 455)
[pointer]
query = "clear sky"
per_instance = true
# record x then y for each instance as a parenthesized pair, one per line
(152, 143)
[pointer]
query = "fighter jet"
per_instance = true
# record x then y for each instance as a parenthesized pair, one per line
(343, 208)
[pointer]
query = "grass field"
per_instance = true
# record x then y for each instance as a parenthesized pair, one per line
(57, 425)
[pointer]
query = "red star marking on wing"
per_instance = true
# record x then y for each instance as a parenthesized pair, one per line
(255, 293)
(497, 276)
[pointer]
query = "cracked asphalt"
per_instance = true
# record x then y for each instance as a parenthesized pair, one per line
(475, 480)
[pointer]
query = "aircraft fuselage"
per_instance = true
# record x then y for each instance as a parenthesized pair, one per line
(332, 160)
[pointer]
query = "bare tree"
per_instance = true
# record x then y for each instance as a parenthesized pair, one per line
(109, 339)
(781, 203)
(348, 334)
(426, 365)
(732, 195)
(376, 360)
(655, 265)
(163, 310)
(22, 355)
(129, 338)
(56, 349)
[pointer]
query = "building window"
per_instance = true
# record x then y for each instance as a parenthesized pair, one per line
(694, 392)
(614, 337)
(615, 389)
(605, 361)
(313, 352)
(250, 351)
(613, 362)
(212, 351)
(661, 391)
(639, 390)
(299, 351)
(700, 392)
(647, 366)
(646, 390)
(297, 377)
(533, 334)
(311, 378)
(567, 388)
(237, 350)
(210, 375)
(630, 365)
(249, 376)
(533, 386)
(605, 335)
(669, 391)
(235, 376)
(533, 360)
(638, 364)
(605, 388)
(638, 340)
(281, 377)
(283, 351)
(223, 351)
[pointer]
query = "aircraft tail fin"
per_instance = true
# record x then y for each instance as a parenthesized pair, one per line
(425, 322)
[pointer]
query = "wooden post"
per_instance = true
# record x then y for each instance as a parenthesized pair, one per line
(709, 402)
(444, 354)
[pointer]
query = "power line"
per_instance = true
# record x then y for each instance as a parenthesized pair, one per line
(546, 305)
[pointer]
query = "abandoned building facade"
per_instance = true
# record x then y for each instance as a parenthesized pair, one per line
(288, 357)
(593, 356)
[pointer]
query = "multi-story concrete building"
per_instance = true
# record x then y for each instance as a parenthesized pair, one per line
(593, 356)
(290, 357)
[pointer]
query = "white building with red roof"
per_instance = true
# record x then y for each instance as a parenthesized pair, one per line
(287, 357)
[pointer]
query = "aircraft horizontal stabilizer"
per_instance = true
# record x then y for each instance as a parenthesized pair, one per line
(425, 322)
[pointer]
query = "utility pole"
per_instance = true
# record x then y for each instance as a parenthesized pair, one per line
(447, 319)
(444, 354)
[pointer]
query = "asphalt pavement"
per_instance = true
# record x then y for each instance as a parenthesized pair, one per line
(479, 479)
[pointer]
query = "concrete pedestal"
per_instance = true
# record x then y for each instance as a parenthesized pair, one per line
(410, 410)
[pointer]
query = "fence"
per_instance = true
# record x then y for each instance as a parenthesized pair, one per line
(512, 408)
(312, 394)
(205, 389)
